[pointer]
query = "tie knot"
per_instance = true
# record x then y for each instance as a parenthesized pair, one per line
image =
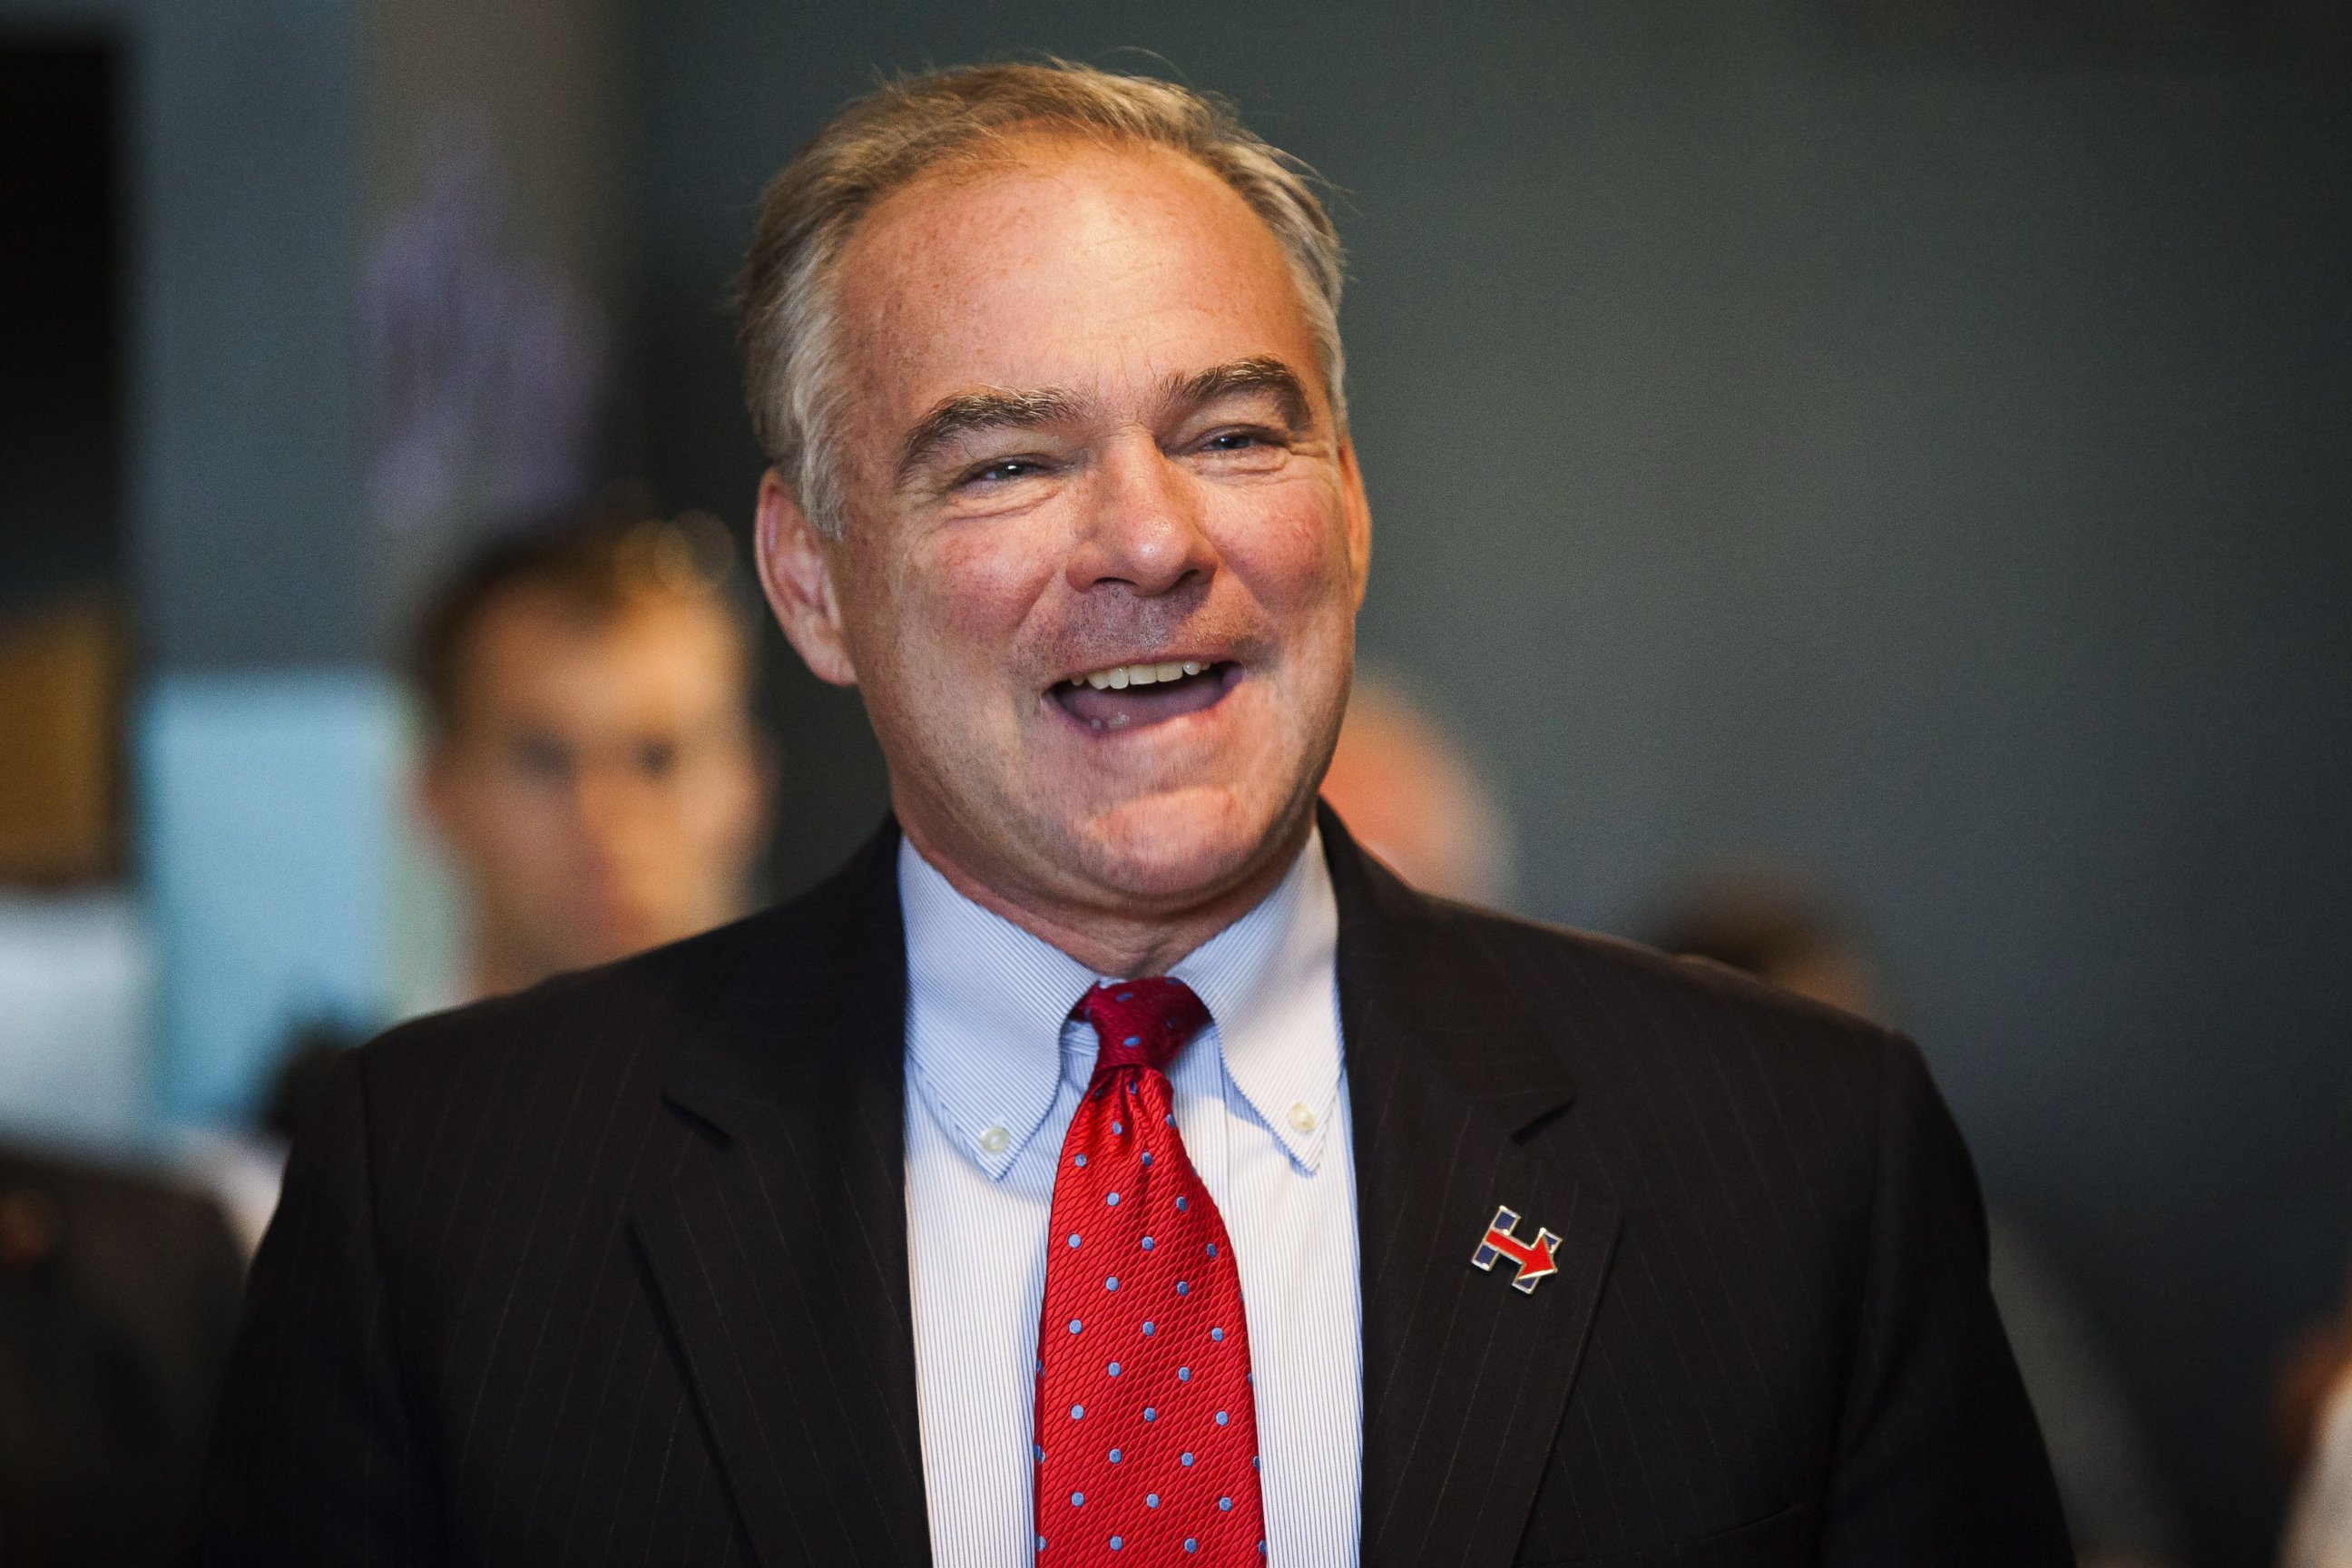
(1141, 1022)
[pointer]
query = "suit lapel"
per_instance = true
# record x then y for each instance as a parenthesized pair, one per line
(1456, 1100)
(780, 1249)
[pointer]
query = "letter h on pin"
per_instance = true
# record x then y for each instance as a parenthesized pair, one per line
(1534, 1258)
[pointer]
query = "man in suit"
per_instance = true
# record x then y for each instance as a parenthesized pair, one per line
(1111, 1164)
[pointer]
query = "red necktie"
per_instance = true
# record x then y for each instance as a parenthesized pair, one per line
(1147, 1438)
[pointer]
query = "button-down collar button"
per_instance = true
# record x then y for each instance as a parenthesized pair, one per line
(994, 1139)
(1300, 1117)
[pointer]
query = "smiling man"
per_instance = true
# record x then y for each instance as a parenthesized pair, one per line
(1112, 1164)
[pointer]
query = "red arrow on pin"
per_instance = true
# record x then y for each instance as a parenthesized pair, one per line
(1535, 1258)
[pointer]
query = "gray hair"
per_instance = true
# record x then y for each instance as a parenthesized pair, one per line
(884, 142)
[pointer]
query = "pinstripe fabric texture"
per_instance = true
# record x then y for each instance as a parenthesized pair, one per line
(615, 1272)
(995, 1067)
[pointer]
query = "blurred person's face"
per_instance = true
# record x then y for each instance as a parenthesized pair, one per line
(1413, 802)
(1104, 549)
(599, 788)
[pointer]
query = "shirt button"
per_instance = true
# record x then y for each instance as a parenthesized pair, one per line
(1300, 1117)
(995, 1138)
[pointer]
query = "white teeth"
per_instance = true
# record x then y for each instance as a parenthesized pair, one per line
(1121, 677)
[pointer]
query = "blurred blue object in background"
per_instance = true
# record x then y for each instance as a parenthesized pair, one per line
(76, 982)
(271, 832)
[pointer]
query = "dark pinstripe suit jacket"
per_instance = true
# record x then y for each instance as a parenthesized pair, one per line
(614, 1271)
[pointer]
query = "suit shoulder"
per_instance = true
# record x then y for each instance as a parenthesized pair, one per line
(611, 1021)
(1611, 993)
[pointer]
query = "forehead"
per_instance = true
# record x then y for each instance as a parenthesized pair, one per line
(1063, 263)
(536, 647)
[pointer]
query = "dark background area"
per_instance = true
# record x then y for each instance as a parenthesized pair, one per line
(1907, 436)
(60, 329)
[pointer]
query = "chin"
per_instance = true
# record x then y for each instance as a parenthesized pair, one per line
(1178, 847)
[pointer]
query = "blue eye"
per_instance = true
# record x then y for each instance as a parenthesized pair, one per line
(1005, 472)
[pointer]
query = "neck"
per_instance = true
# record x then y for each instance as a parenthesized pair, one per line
(1119, 940)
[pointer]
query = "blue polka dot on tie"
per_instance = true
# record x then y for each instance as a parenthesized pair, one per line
(1223, 1417)
(1078, 1412)
(1135, 1039)
(1078, 1160)
(1110, 1282)
(1075, 1327)
(1187, 1461)
(1213, 1249)
(1180, 1206)
(1074, 1238)
(1114, 1369)
(1218, 1335)
(1183, 1288)
(1127, 995)
(1111, 1200)
(1151, 1499)
(1117, 1545)
(1225, 1505)
(1119, 1129)
(1146, 1244)
(1170, 1121)
(1077, 1499)
(1183, 1375)
(1146, 1160)
(1149, 1330)
(1149, 1413)
(1190, 1545)
(1116, 1456)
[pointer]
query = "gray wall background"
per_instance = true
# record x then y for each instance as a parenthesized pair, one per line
(1865, 432)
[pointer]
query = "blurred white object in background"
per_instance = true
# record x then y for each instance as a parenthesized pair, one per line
(76, 974)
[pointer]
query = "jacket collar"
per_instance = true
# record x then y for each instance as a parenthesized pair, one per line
(1459, 1096)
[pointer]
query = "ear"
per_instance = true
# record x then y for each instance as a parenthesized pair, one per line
(797, 576)
(1358, 519)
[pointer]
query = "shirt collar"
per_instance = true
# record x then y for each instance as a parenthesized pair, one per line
(986, 1002)
(1268, 982)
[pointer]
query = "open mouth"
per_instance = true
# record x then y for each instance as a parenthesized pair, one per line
(1130, 696)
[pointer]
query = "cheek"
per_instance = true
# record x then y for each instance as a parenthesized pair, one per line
(1291, 554)
(980, 584)
(954, 607)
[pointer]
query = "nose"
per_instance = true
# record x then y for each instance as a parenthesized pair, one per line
(1144, 528)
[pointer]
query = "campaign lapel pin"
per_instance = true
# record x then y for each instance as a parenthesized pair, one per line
(1535, 1258)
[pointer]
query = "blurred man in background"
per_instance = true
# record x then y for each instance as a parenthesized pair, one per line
(1763, 924)
(592, 765)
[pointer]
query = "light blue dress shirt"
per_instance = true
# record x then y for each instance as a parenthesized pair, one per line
(994, 1068)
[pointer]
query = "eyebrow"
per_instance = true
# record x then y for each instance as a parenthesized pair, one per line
(990, 409)
(996, 408)
(1259, 373)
